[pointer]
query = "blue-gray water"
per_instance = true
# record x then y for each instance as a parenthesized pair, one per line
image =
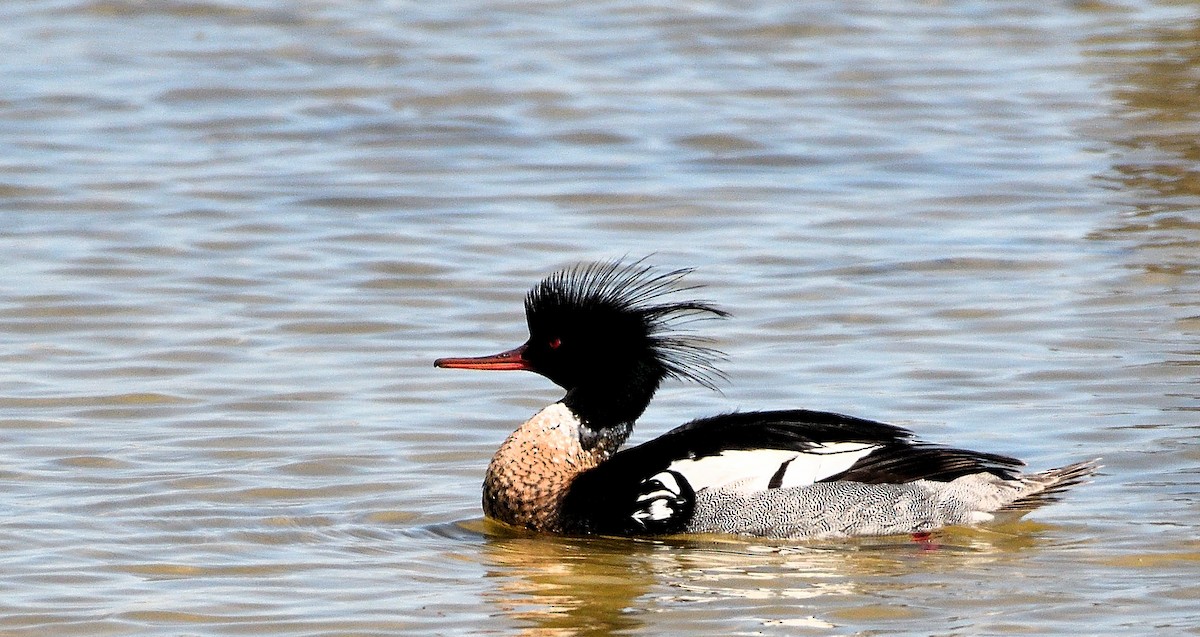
(234, 236)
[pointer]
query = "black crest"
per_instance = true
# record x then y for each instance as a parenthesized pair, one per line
(610, 314)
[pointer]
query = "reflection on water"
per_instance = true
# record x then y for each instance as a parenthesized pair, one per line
(1156, 132)
(562, 586)
(597, 586)
(1153, 134)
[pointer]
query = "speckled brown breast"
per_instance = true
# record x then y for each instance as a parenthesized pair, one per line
(530, 473)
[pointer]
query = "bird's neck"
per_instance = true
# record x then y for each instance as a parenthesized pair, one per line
(613, 399)
(531, 472)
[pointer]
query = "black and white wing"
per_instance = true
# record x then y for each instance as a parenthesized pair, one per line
(651, 488)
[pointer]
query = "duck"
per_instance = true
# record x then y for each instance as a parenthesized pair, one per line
(610, 333)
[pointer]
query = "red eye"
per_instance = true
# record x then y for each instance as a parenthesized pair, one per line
(555, 342)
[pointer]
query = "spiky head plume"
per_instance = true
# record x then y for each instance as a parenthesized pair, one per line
(594, 320)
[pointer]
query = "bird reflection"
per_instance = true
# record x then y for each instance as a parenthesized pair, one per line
(566, 586)
(563, 586)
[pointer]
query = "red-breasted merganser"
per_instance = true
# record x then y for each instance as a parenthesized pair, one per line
(606, 332)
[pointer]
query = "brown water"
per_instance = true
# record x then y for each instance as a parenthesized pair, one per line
(236, 234)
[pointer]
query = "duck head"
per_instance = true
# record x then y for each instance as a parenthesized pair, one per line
(609, 334)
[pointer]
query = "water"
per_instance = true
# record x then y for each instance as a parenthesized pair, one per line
(235, 236)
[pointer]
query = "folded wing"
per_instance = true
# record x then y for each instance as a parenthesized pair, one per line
(651, 488)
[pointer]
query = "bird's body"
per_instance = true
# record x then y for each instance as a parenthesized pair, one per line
(601, 332)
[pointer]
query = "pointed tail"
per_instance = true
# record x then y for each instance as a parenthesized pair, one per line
(1048, 486)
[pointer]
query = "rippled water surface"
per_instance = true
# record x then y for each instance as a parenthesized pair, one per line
(236, 234)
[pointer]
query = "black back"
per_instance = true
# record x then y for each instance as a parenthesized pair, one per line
(605, 498)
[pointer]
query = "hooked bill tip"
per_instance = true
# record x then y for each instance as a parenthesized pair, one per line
(512, 359)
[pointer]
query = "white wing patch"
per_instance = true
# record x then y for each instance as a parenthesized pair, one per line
(749, 470)
(656, 511)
